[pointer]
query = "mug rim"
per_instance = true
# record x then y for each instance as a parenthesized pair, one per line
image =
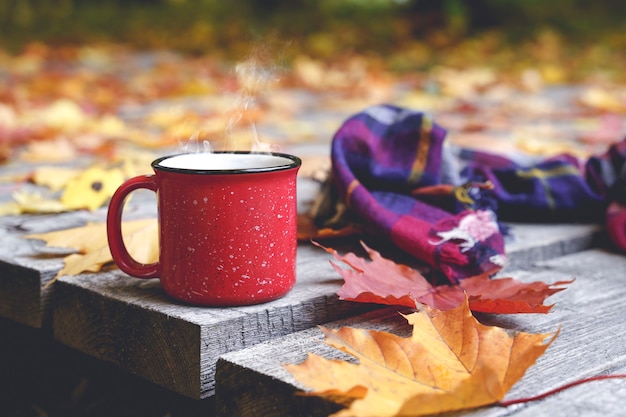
(296, 162)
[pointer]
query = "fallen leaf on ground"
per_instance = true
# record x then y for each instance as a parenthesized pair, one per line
(81, 189)
(601, 99)
(92, 188)
(90, 241)
(59, 149)
(55, 178)
(451, 362)
(31, 202)
(62, 115)
(11, 208)
(383, 281)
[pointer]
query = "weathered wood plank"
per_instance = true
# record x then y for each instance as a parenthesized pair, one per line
(40, 377)
(598, 399)
(530, 243)
(591, 314)
(87, 302)
(27, 265)
(107, 316)
(253, 381)
(25, 268)
(131, 323)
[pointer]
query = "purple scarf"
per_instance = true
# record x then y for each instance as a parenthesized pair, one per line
(393, 171)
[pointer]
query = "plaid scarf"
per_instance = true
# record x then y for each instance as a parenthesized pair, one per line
(558, 189)
(394, 173)
(383, 159)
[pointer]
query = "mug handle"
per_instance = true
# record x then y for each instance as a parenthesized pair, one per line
(119, 252)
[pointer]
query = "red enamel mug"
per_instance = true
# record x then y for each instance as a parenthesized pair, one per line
(227, 226)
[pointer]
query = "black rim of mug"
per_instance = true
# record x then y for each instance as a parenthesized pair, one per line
(295, 163)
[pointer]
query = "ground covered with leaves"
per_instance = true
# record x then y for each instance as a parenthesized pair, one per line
(94, 77)
(122, 106)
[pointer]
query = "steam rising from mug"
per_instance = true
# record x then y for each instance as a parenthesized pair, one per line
(256, 75)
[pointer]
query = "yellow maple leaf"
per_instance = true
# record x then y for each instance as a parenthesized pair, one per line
(451, 362)
(82, 189)
(30, 202)
(90, 242)
(55, 178)
(11, 208)
(134, 163)
(34, 202)
(92, 188)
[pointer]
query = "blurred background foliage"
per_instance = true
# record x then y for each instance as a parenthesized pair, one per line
(407, 34)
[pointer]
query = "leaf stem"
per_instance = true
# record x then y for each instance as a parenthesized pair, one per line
(559, 389)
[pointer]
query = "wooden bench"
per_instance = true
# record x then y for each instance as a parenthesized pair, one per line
(590, 315)
(130, 323)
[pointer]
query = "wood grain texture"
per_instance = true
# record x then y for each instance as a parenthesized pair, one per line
(27, 265)
(253, 382)
(530, 243)
(85, 303)
(107, 315)
(591, 314)
(24, 272)
(132, 323)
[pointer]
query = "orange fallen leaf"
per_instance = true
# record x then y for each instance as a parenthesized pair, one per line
(451, 362)
(90, 242)
(383, 281)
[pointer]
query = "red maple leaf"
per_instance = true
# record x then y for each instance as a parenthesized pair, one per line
(383, 281)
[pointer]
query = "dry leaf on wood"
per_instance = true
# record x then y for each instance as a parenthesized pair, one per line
(81, 189)
(92, 248)
(451, 362)
(92, 188)
(31, 202)
(383, 281)
(55, 178)
(59, 149)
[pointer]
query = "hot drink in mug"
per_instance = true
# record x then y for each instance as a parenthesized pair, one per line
(227, 226)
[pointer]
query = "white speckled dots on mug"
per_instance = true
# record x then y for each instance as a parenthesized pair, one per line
(227, 237)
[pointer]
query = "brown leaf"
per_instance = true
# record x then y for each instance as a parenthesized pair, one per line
(386, 282)
(451, 362)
